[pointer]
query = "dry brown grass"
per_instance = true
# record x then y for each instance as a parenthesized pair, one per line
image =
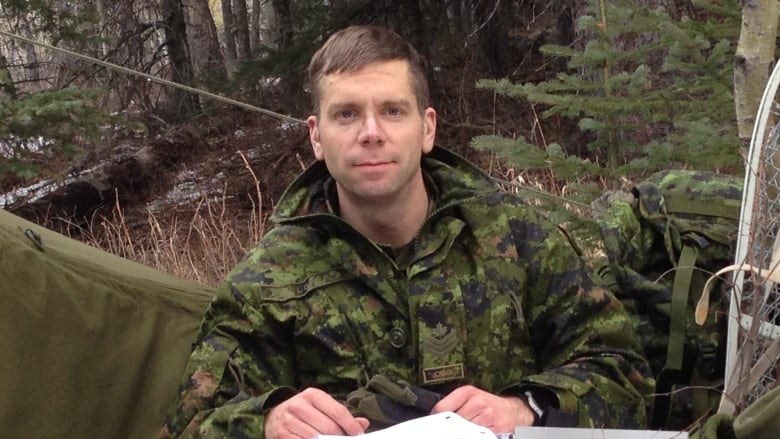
(203, 243)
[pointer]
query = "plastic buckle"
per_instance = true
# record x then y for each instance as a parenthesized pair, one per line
(708, 359)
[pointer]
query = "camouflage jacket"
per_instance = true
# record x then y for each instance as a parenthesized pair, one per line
(490, 294)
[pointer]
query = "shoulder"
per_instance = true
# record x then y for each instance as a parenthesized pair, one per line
(286, 256)
(508, 215)
(505, 207)
(284, 243)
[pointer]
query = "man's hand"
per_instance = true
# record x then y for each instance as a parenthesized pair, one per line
(310, 413)
(501, 414)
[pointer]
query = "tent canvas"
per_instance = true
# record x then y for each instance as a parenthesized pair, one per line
(93, 345)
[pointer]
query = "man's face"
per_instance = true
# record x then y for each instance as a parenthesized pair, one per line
(371, 134)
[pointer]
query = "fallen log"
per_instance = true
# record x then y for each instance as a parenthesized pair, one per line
(126, 180)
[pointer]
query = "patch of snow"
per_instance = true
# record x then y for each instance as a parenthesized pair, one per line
(189, 191)
(32, 192)
(288, 125)
(268, 82)
(250, 154)
(183, 193)
(40, 189)
(32, 144)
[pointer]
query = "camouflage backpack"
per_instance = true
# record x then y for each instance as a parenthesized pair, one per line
(662, 241)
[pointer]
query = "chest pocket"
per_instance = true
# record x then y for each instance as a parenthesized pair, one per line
(338, 326)
(470, 318)
(298, 290)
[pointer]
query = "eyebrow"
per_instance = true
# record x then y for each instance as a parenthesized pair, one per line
(397, 103)
(404, 103)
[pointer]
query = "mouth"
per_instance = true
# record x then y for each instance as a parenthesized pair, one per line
(371, 164)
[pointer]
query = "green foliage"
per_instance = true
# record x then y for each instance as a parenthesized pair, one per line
(40, 127)
(62, 21)
(528, 156)
(647, 91)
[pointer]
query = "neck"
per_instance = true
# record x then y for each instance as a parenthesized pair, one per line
(388, 222)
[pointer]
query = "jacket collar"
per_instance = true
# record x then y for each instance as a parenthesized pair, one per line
(455, 179)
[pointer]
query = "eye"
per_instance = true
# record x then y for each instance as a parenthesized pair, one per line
(393, 111)
(345, 114)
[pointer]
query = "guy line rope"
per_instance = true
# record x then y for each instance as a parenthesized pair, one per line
(217, 97)
(154, 78)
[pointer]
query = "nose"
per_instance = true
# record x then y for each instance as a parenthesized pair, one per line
(371, 132)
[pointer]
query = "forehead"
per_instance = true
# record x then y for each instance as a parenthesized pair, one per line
(390, 79)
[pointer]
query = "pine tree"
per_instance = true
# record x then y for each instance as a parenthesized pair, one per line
(647, 91)
(42, 127)
(36, 128)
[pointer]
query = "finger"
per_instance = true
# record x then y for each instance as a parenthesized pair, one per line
(304, 431)
(454, 401)
(485, 418)
(364, 423)
(498, 414)
(338, 418)
(494, 423)
(300, 417)
(475, 407)
(284, 422)
(312, 421)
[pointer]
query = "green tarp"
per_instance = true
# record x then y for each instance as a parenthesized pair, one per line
(92, 345)
(759, 420)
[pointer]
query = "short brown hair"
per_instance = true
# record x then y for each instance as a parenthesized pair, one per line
(354, 47)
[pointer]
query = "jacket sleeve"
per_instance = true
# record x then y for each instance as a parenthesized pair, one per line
(219, 394)
(587, 353)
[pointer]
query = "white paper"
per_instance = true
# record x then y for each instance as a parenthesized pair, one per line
(445, 425)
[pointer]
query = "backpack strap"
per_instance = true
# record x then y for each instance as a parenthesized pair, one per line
(684, 205)
(695, 214)
(656, 207)
(676, 348)
(679, 307)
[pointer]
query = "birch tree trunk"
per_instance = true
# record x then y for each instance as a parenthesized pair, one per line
(207, 59)
(31, 68)
(254, 27)
(101, 15)
(753, 60)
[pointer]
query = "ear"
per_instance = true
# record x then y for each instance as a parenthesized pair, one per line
(314, 137)
(429, 130)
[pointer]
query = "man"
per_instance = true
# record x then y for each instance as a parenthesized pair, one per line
(392, 258)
